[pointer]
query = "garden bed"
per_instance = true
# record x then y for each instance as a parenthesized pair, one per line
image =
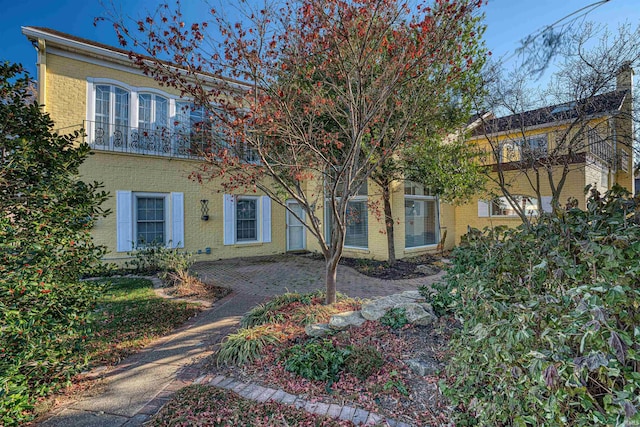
(388, 388)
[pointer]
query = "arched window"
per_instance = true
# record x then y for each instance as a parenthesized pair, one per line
(111, 126)
(153, 111)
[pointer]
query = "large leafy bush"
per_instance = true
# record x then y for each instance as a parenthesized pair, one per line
(46, 214)
(551, 320)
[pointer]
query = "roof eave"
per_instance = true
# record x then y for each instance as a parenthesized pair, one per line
(120, 58)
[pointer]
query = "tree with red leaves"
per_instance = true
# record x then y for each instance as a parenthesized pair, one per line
(313, 96)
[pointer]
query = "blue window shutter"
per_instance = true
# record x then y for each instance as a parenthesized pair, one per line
(229, 219)
(124, 221)
(177, 220)
(266, 219)
(483, 209)
(545, 203)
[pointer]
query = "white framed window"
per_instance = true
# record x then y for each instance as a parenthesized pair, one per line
(247, 219)
(144, 218)
(150, 219)
(153, 111)
(500, 206)
(421, 216)
(357, 220)
(529, 148)
(534, 147)
(111, 107)
(357, 231)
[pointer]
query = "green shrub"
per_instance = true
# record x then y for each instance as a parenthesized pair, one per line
(550, 320)
(158, 258)
(316, 360)
(395, 318)
(247, 344)
(46, 216)
(442, 296)
(363, 361)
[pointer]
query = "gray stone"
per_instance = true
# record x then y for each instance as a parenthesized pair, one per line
(417, 314)
(423, 367)
(374, 310)
(415, 295)
(427, 270)
(342, 321)
(318, 330)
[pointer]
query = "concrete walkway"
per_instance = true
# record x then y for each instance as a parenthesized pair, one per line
(138, 387)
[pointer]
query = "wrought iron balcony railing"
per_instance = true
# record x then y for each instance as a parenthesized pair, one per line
(600, 147)
(155, 141)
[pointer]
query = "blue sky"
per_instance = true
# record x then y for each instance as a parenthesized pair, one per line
(508, 21)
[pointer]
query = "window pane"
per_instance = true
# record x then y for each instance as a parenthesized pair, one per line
(144, 110)
(102, 104)
(357, 230)
(150, 222)
(162, 112)
(246, 220)
(122, 107)
(501, 206)
(415, 189)
(183, 111)
(420, 222)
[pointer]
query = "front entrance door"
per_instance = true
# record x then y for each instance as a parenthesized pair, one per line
(295, 229)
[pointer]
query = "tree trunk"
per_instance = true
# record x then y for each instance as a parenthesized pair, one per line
(388, 221)
(330, 279)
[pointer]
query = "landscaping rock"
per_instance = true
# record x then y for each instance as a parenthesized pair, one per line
(318, 330)
(427, 270)
(374, 310)
(342, 321)
(418, 313)
(415, 295)
(423, 367)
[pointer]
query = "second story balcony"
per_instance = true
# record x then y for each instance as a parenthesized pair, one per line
(600, 147)
(176, 143)
(159, 142)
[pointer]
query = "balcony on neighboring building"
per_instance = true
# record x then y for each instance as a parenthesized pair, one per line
(600, 147)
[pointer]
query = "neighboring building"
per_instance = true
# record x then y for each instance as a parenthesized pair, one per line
(144, 137)
(592, 138)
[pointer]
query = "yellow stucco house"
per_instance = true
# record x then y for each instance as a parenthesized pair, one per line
(588, 141)
(143, 136)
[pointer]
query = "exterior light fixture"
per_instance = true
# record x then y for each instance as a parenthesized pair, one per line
(204, 210)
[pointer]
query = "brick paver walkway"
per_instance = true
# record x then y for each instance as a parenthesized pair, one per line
(274, 275)
(139, 386)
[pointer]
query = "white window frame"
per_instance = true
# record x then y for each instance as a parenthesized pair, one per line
(362, 196)
(127, 221)
(167, 215)
(263, 219)
(493, 215)
(152, 125)
(365, 200)
(258, 220)
(419, 197)
(515, 150)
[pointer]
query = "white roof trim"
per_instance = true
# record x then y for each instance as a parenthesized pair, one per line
(85, 48)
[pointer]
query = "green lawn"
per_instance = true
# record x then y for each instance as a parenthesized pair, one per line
(129, 316)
